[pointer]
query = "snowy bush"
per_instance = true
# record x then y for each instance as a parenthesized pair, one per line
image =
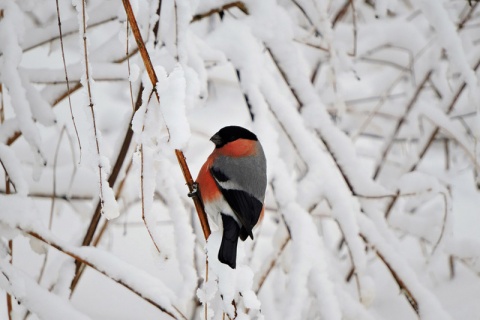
(368, 114)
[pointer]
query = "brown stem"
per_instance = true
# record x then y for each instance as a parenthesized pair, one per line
(140, 43)
(401, 284)
(9, 297)
(237, 4)
(10, 244)
(87, 240)
(202, 216)
(341, 13)
(409, 107)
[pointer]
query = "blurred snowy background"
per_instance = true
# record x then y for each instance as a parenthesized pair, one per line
(367, 111)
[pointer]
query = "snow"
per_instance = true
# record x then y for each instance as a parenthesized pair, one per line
(225, 283)
(12, 54)
(10, 164)
(331, 236)
(37, 299)
(171, 89)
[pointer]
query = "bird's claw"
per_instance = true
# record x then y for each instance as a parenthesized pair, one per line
(194, 192)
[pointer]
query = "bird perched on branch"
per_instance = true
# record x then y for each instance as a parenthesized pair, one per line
(232, 185)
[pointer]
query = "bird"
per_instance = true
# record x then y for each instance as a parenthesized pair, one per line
(232, 184)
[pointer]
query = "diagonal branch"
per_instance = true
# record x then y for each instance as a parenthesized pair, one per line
(76, 253)
(153, 78)
(237, 4)
(402, 120)
(122, 155)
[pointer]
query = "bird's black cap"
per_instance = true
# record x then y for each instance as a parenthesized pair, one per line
(231, 133)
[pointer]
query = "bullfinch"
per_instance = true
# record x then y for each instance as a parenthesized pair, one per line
(232, 185)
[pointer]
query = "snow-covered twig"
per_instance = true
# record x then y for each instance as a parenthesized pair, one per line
(122, 155)
(94, 257)
(389, 143)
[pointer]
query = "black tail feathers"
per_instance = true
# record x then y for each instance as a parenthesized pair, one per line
(228, 248)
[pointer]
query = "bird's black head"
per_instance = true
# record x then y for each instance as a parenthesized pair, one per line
(231, 133)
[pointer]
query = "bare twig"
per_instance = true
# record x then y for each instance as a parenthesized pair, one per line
(156, 27)
(196, 200)
(129, 73)
(431, 137)
(401, 284)
(9, 297)
(354, 20)
(10, 245)
(409, 107)
(66, 79)
(140, 43)
(272, 264)
(341, 13)
(237, 4)
(90, 98)
(52, 203)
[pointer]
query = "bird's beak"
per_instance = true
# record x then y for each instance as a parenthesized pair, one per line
(216, 139)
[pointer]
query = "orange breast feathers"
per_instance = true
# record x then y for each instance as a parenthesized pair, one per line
(239, 148)
(208, 188)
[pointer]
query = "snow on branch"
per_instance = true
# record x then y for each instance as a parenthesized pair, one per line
(36, 299)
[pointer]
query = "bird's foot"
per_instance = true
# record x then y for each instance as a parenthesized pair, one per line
(194, 192)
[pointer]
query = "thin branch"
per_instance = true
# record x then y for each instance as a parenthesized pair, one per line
(341, 13)
(129, 71)
(153, 78)
(156, 27)
(202, 216)
(409, 107)
(66, 79)
(68, 33)
(431, 137)
(87, 240)
(9, 297)
(97, 267)
(355, 32)
(140, 43)
(237, 4)
(401, 284)
(10, 244)
(90, 98)
(271, 264)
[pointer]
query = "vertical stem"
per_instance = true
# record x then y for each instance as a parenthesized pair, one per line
(10, 248)
(9, 297)
(202, 216)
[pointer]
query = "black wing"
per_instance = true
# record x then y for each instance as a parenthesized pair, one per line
(246, 207)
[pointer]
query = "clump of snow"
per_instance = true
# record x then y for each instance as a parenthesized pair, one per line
(172, 90)
(12, 166)
(110, 207)
(231, 283)
(37, 299)
(134, 72)
(11, 34)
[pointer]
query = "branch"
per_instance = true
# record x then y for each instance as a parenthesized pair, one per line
(87, 240)
(402, 120)
(196, 200)
(237, 4)
(112, 270)
(153, 78)
(432, 135)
